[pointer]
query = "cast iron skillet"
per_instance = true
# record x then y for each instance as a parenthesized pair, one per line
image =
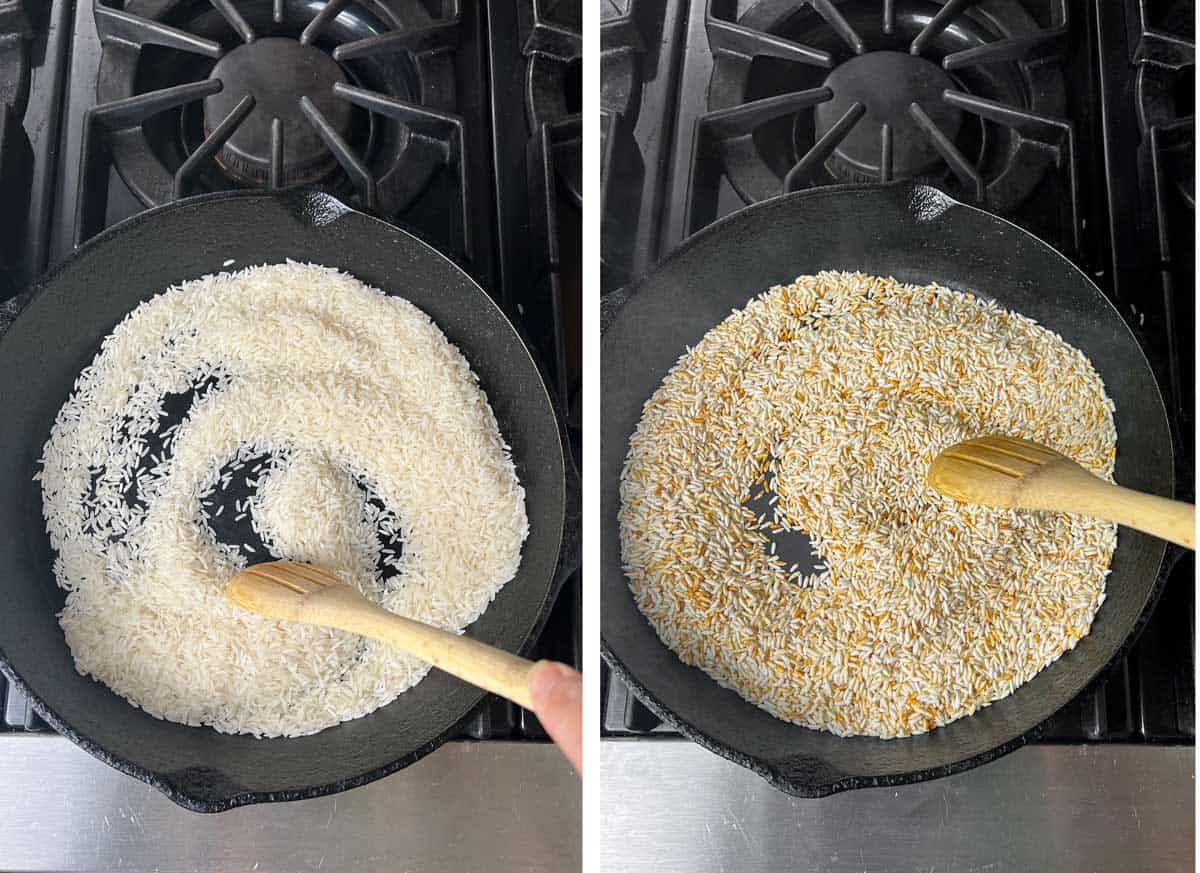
(58, 333)
(919, 235)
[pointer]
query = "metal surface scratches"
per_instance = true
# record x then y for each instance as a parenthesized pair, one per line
(1074, 809)
(62, 810)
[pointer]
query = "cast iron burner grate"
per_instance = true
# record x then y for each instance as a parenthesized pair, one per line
(553, 51)
(1165, 56)
(639, 65)
(964, 95)
(548, 84)
(622, 53)
(16, 31)
(1155, 146)
(204, 96)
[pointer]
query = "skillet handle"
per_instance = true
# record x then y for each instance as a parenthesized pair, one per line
(314, 207)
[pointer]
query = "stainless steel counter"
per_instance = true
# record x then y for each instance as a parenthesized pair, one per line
(467, 807)
(669, 805)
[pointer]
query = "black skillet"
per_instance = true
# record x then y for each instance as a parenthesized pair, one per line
(58, 333)
(919, 235)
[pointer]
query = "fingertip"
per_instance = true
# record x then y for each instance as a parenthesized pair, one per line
(545, 679)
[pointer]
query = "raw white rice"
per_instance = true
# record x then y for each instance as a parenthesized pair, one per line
(351, 394)
(843, 387)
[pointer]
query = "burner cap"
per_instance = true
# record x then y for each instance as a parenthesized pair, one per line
(886, 83)
(278, 72)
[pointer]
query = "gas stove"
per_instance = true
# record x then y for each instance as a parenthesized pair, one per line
(382, 104)
(1071, 119)
(457, 121)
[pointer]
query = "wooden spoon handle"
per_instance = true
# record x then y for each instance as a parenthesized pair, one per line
(487, 667)
(490, 668)
(1167, 519)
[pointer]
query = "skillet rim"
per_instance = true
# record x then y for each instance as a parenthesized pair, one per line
(315, 207)
(773, 774)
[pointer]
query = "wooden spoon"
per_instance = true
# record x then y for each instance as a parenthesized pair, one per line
(1009, 472)
(302, 592)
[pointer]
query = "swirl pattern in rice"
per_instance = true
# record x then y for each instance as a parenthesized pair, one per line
(361, 424)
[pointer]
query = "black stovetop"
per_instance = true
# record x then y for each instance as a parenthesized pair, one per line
(457, 121)
(1072, 119)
